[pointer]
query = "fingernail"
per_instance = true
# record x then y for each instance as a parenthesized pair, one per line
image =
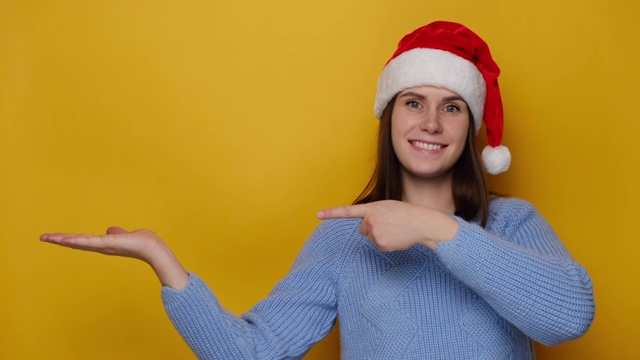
(320, 214)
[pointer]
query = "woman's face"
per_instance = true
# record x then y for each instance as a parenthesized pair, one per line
(428, 131)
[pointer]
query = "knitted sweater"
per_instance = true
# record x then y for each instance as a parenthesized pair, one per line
(483, 295)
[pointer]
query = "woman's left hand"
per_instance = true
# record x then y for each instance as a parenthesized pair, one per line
(395, 225)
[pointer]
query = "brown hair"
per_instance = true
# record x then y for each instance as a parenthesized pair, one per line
(470, 193)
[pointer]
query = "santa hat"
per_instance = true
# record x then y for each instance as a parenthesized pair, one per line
(449, 55)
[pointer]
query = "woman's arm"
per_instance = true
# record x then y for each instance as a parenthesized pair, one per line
(520, 267)
(300, 311)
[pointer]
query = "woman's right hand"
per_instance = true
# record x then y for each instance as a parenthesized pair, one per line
(141, 244)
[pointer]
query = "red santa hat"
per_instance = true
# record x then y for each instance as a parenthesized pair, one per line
(449, 55)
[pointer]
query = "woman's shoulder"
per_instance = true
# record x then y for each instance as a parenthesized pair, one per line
(517, 219)
(333, 234)
(505, 210)
(329, 244)
(338, 227)
(506, 204)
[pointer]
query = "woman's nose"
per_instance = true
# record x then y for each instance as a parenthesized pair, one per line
(431, 122)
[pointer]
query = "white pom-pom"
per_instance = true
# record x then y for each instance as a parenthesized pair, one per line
(496, 159)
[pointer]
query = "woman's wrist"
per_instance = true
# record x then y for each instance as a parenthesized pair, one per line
(168, 269)
(442, 228)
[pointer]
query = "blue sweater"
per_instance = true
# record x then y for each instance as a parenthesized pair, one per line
(483, 295)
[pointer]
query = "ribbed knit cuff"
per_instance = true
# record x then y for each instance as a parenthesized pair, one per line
(201, 321)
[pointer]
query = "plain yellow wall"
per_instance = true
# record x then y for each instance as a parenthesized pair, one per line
(226, 125)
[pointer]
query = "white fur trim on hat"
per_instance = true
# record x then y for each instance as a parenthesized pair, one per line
(424, 66)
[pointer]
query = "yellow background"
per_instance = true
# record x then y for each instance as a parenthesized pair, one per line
(225, 125)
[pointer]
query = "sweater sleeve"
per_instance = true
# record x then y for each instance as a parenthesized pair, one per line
(520, 267)
(300, 310)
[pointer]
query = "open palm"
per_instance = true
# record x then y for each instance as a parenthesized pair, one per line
(139, 244)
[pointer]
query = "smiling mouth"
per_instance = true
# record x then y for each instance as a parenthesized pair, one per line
(427, 146)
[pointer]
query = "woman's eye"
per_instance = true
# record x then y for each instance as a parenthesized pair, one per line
(413, 104)
(451, 108)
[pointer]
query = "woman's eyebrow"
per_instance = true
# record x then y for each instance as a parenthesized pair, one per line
(453, 98)
(413, 94)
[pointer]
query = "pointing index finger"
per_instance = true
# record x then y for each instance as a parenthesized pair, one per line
(348, 211)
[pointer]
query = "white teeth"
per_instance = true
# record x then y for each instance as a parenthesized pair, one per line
(426, 146)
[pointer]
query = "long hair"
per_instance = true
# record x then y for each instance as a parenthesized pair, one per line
(470, 193)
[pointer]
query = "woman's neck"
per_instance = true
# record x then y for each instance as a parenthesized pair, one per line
(434, 193)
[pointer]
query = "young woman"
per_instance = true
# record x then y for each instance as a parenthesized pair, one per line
(427, 264)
